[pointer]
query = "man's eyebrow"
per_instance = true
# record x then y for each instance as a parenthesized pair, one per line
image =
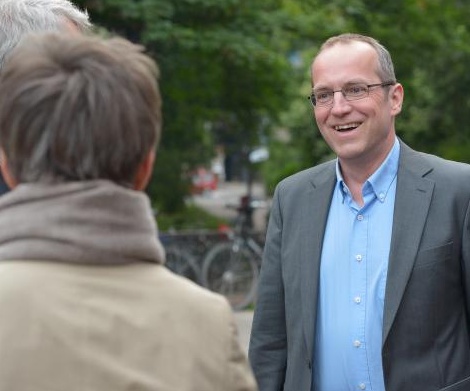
(321, 88)
(348, 83)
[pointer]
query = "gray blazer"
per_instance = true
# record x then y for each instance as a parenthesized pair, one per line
(426, 344)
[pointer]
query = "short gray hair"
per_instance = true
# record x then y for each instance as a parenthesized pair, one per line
(75, 107)
(385, 70)
(21, 17)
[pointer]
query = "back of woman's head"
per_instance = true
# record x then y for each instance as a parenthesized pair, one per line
(77, 108)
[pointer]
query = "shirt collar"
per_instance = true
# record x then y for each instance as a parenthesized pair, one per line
(381, 180)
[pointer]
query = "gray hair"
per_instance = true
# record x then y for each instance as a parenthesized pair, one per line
(75, 107)
(385, 70)
(21, 17)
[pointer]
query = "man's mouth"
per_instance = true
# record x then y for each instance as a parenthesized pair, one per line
(346, 127)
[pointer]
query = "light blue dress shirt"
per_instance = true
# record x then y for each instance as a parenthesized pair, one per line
(353, 275)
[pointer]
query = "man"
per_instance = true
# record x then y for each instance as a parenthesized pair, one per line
(21, 17)
(86, 302)
(365, 282)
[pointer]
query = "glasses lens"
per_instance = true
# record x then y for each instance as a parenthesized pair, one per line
(323, 98)
(355, 91)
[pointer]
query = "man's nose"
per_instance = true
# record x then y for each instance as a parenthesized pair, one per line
(340, 103)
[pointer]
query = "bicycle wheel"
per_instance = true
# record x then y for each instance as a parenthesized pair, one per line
(182, 263)
(231, 270)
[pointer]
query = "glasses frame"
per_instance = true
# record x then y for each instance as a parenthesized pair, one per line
(313, 101)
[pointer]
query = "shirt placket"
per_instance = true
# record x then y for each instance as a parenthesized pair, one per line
(358, 297)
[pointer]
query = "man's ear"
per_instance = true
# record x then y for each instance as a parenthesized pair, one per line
(144, 171)
(397, 95)
(6, 173)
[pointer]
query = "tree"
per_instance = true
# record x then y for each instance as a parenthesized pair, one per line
(234, 70)
(223, 74)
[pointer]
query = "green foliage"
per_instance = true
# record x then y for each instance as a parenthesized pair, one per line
(168, 186)
(190, 217)
(224, 74)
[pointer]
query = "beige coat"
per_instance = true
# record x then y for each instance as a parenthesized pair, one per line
(83, 325)
(96, 328)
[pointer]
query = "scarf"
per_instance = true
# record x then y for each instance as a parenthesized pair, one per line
(92, 222)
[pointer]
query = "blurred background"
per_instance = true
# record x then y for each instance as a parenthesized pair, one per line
(235, 77)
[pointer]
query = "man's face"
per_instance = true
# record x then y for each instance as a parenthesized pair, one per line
(360, 131)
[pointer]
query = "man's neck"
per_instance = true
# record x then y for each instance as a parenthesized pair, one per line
(356, 172)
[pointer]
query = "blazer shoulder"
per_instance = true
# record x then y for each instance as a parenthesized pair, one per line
(442, 166)
(446, 174)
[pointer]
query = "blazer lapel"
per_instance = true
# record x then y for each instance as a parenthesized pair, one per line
(412, 200)
(317, 200)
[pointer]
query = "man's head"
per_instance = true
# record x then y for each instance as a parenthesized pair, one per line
(356, 98)
(21, 17)
(77, 108)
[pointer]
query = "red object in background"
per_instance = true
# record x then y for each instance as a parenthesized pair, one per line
(203, 180)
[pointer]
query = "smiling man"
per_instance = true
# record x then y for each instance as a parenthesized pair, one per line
(365, 280)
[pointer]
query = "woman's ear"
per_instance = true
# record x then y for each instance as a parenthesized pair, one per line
(144, 171)
(6, 173)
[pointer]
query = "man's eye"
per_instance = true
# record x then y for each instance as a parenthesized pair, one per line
(355, 89)
(322, 95)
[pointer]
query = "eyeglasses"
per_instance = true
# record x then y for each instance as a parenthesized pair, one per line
(350, 92)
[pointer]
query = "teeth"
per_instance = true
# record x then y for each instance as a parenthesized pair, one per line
(348, 126)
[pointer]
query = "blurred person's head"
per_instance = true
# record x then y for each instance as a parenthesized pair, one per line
(77, 108)
(22, 17)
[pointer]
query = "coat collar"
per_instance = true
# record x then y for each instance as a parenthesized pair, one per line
(89, 222)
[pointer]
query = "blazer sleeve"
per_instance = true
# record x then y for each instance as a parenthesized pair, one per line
(268, 343)
(466, 260)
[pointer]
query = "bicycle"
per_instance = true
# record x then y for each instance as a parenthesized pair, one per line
(231, 268)
(186, 249)
(182, 263)
(179, 260)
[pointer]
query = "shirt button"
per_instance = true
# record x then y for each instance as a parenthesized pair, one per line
(360, 217)
(362, 386)
(357, 343)
(357, 300)
(381, 196)
(359, 257)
